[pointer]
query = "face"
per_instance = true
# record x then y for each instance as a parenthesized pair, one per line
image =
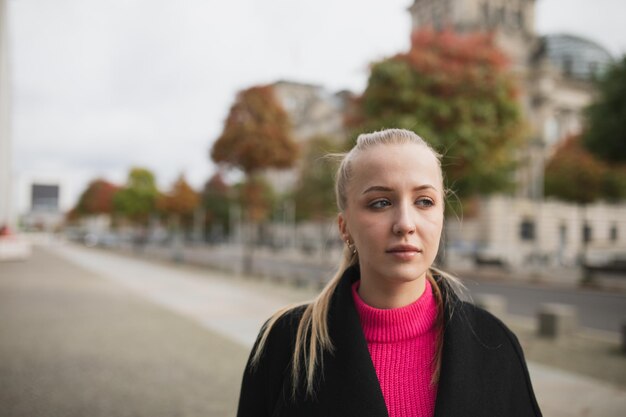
(394, 211)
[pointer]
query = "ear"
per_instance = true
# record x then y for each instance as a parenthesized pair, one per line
(343, 227)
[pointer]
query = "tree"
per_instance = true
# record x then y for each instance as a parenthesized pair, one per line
(605, 135)
(216, 200)
(315, 192)
(180, 203)
(614, 185)
(137, 200)
(97, 198)
(573, 174)
(456, 92)
(256, 136)
(257, 196)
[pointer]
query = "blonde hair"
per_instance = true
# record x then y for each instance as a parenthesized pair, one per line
(312, 336)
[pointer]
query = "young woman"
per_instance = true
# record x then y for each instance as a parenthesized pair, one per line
(387, 336)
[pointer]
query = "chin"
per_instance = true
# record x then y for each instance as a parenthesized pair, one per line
(406, 273)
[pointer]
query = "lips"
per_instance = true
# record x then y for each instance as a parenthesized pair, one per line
(404, 249)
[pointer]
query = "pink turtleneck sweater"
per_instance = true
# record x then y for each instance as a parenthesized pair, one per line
(402, 343)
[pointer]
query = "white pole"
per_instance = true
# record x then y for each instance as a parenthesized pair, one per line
(6, 200)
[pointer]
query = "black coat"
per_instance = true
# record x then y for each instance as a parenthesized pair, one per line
(483, 372)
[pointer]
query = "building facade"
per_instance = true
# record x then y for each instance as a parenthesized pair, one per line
(313, 111)
(512, 21)
(45, 212)
(525, 233)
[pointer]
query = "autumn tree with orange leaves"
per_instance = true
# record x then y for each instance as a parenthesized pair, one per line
(96, 199)
(256, 134)
(180, 203)
(455, 91)
(256, 137)
(574, 174)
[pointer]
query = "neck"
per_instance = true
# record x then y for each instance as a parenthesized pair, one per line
(387, 295)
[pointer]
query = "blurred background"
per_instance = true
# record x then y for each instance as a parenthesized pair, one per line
(174, 151)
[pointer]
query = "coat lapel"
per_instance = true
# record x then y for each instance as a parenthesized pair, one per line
(456, 383)
(459, 389)
(351, 365)
(351, 384)
(348, 386)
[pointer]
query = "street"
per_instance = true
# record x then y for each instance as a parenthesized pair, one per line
(599, 310)
(87, 332)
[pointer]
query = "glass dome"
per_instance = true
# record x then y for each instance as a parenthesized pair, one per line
(576, 57)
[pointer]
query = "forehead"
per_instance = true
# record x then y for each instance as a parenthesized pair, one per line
(396, 165)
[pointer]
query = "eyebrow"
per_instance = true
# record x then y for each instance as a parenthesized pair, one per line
(374, 188)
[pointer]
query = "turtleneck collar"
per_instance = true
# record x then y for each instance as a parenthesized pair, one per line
(397, 324)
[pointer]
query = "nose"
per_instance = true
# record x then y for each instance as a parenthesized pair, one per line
(404, 222)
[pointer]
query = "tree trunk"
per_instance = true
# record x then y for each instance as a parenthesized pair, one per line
(248, 248)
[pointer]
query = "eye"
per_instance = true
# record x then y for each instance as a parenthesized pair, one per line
(379, 204)
(425, 202)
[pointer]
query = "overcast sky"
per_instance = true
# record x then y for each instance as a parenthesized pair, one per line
(100, 86)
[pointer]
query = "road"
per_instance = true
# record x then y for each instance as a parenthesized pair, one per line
(598, 310)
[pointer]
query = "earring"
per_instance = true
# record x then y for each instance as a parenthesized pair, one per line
(351, 246)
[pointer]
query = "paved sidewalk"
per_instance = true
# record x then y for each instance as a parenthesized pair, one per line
(235, 308)
(73, 344)
(563, 394)
(232, 306)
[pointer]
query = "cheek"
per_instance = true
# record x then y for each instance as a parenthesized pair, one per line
(365, 227)
(434, 226)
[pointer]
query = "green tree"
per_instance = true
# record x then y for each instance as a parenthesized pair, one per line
(605, 134)
(614, 185)
(456, 92)
(137, 199)
(217, 197)
(315, 192)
